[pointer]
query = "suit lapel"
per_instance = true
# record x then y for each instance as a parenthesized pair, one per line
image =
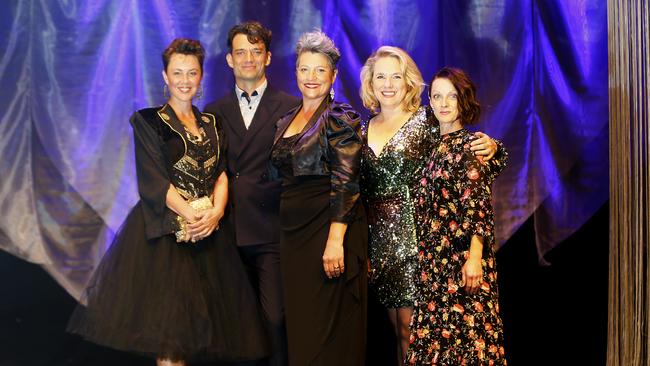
(262, 118)
(236, 121)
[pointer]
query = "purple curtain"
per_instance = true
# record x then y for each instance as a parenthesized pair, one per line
(73, 71)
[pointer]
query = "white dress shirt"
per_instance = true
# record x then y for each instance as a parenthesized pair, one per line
(248, 103)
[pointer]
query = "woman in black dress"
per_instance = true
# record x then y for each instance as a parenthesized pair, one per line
(316, 153)
(169, 287)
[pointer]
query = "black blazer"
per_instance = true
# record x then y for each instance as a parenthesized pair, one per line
(254, 201)
(159, 143)
(329, 145)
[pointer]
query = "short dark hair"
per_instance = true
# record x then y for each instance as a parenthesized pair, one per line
(469, 109)
(184, 46)
(254, 31)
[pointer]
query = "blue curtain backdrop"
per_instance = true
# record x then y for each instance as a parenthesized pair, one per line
(73, 71)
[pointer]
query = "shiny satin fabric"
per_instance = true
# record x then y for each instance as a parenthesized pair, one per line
(72, 72)
(329, 145)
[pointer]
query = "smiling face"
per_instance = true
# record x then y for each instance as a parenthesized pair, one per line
(248, 60)
(388, 83)
(444, 100)
(183, 77)
(314, 75)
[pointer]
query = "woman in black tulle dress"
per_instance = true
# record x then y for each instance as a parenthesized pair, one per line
(169, 287)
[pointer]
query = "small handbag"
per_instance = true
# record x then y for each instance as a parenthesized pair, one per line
(199, 204)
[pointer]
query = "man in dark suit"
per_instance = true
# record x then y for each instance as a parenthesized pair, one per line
(248, 116)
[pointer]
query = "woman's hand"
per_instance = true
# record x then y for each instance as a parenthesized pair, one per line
(207, 222)
(189, 214)
(484, 145)
(472, 270)
(472, 274)
(333, 259)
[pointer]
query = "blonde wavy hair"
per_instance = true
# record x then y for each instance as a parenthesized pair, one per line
(412, 77)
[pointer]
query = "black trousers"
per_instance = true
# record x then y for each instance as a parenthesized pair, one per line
(263, 264)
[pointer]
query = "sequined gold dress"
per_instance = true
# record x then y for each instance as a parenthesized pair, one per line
(387, 184)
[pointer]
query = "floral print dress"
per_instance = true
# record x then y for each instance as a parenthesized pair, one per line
(449, 325)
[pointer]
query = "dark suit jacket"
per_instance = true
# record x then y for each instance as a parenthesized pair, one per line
(254, 201)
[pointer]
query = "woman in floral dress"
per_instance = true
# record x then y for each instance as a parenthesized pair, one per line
(456, 316)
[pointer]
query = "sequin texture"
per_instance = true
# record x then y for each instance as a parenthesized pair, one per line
(388, 181)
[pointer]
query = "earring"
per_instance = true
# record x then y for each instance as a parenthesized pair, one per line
(165, 91)
(199, 93)
(332, 93)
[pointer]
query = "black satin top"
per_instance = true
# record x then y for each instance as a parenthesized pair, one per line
(329, 145)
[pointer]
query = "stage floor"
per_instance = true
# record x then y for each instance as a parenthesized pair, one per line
(548, 312)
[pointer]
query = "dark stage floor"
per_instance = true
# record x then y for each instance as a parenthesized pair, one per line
(554, 315)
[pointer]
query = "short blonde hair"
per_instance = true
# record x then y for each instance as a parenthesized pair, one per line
(412, 77)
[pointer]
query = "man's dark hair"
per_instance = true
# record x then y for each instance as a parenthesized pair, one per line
(254, 31)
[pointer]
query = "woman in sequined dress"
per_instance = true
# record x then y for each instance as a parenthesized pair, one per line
(456, 318)
(397, 141)
(172, 294)
(323, 241)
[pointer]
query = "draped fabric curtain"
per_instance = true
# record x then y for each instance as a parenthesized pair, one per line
(73, 71)
(629, 149)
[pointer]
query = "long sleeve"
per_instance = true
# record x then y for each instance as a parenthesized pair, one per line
(474, 184)
(344, 155)
(498, 161)
(152, 175)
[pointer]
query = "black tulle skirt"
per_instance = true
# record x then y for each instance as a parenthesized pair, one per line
(163, 299)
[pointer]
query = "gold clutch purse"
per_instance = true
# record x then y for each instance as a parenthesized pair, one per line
(199, 204)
